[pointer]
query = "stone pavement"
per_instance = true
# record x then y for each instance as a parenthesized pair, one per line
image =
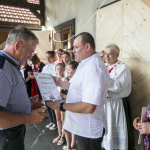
(35, 141)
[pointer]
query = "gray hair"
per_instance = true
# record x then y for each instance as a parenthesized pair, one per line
(113, 47)
(20, 33)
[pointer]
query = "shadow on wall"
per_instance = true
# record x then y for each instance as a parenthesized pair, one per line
(2, 45)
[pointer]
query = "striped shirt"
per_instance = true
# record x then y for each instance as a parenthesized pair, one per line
(13, 94)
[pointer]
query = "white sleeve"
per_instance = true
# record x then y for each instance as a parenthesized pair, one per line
(44, 70)
(121, 80)
(92, 87)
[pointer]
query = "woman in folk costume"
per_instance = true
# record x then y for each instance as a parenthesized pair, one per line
(117, 110)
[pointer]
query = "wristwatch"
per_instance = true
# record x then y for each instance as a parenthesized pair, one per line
(61, 107)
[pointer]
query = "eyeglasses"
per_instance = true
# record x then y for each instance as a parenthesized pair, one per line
(59, 53)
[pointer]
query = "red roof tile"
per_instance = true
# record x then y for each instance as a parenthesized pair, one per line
(33, 1)
(18, 15)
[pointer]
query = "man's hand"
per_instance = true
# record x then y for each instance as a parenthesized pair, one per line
(136, 120)
(36, 104)
(55, 105)
(38, 115)
(57, 80)
(144, 128)
(32, 76)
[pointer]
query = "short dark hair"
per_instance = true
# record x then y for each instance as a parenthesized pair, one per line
(60, 64)
(71, 49)
(52, 53)
(35, 59)
(60, 50)
(73, 64)
(87, 38)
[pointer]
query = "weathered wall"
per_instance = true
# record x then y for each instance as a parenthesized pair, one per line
(126, 24)
(60, 11)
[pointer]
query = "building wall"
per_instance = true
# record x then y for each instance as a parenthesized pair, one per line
(126, 23)
(60, 11)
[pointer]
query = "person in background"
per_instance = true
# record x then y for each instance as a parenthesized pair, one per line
(102, 55)
(71, 54)
(70, 138)
(65, 59)
(59, 53)
(50, 69)
(15, 105)
(86, 95)
(37, 66)
(27, 73)
(117, 109)
(59, 69)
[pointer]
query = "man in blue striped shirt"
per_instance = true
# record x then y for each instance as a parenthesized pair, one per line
(15, 105)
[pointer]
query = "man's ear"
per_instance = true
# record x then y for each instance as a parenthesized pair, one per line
(88, 47)
(17, 45)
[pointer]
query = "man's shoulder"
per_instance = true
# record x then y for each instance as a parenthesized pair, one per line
(2, 61)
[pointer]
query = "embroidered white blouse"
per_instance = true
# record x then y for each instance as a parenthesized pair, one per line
(120, 80)
(89, 84)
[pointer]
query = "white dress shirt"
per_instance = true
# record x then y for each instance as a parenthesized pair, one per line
(89, 84)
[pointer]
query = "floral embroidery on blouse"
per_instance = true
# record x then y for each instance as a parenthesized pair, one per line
(115, 66)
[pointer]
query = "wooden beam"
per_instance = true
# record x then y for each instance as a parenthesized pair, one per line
(41, 2)
(11, 25)
(146, 2)
(110, 3)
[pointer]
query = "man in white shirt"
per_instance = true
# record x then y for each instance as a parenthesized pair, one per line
(86, 96)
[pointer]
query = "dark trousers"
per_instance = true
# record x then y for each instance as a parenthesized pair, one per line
(88, 143)
(52, 116)
(12, 138)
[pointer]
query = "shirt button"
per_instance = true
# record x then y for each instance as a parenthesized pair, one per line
(9, 132)
(7, 140)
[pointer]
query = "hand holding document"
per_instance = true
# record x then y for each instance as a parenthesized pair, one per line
(47, 86)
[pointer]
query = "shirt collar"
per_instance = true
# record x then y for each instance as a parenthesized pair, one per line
(86, 61)
(16, 62)
(89, 58)
(50, 64)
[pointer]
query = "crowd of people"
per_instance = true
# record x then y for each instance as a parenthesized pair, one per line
(94, 110)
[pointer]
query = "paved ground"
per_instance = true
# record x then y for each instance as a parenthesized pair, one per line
(35, 141)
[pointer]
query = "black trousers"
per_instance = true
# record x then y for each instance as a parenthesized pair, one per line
(88, 143)
(12, 138)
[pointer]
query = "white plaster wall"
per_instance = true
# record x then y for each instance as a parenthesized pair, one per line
(60, 11)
